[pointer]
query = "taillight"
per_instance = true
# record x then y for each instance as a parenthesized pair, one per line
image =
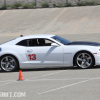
(0, 49)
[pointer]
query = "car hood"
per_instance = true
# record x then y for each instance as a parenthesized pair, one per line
(85, 43)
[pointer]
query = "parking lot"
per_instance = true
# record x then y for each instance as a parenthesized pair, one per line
(55, 83)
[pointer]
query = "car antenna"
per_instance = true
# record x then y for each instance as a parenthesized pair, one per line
(21, 35)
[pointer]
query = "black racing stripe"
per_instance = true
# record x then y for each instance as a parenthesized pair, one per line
(85, 43)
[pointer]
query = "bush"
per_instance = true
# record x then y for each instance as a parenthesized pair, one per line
(93, 3)
(8, 6)
(64, 5)
(69, 5)
(26, 6)
(54, 5)
(82, 3)
(85, 3)
(61, 5)
(45, 5)
(16, 5)
(33, 4)
(3, 7)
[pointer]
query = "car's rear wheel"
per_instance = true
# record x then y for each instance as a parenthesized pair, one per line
(84, 60)
(8, 63)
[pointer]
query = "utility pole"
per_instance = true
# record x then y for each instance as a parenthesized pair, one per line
(66, 3)
(35, 4)
(4, 4)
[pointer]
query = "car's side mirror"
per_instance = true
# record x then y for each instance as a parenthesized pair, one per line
(54, 44)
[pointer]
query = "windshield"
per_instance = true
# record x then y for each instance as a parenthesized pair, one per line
(61, 40)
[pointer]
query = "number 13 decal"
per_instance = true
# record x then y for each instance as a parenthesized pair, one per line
(32, 56)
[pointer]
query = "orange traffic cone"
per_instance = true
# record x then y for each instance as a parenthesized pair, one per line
(20, 76)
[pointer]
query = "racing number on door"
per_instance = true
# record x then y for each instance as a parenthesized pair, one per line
(32, 56)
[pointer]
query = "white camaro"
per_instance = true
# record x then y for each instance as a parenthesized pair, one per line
(41, 51)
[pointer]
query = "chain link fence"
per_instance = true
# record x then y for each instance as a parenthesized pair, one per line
(40, 3)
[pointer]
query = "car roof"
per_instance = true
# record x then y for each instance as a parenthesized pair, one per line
(12, 42)
(37, 36)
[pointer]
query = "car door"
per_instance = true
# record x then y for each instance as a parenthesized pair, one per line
(42, 54)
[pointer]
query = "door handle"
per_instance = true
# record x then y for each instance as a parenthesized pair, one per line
(29, 50)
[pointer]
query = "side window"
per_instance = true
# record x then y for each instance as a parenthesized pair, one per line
(48, 41)
(22, 43)
(44, 42)
(32, 42)
(39, 42)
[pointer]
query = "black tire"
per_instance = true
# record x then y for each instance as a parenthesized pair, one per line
(84, 60)
(10, 63)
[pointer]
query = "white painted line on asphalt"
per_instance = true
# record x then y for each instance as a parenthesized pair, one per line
(7, 83)
(61, 79)
(46, 75)
(33, 77)
(53, 21)
(67, 86)
(50, 79)
(2, 12)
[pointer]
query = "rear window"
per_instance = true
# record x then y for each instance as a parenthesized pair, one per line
(22, 43)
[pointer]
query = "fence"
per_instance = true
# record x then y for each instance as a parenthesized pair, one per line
(39, 3)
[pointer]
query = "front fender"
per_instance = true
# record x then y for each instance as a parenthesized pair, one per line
(71, 50)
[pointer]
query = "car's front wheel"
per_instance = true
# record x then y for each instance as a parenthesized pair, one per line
(84, 60)
(8, 63)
